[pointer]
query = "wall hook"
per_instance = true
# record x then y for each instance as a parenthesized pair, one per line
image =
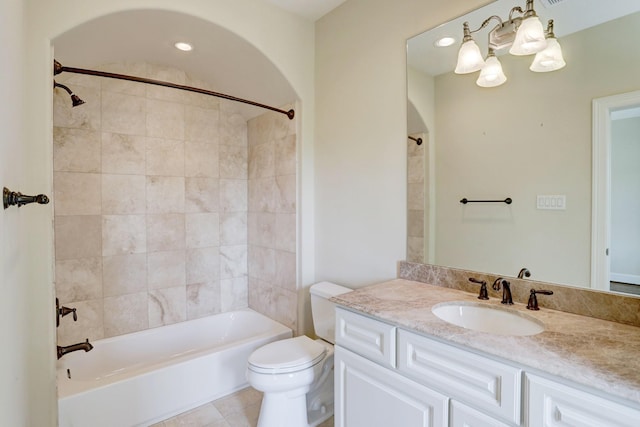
(12, 198)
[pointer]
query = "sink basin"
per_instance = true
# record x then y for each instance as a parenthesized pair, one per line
(487, 318)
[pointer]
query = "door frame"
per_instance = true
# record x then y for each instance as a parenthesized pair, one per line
(601, 183)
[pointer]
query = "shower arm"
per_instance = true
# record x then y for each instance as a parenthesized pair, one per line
(59, 68)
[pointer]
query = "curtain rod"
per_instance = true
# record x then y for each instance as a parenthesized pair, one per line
(59, 68)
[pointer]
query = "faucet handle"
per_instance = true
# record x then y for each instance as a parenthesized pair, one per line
(63, 311)
(497, 283)
(533, 300)
(483, 288)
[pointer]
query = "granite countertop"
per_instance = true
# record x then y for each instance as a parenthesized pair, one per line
(597, 353)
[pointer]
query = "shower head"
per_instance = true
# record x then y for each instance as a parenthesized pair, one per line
(75, 100)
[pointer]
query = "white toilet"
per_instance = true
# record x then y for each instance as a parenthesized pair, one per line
(296, 374)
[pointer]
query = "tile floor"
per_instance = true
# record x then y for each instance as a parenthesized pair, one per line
(239, 409)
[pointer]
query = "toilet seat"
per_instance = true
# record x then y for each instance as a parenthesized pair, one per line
(287, 356)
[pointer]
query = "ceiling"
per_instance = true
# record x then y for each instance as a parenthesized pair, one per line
(310, 9)
(226, 62)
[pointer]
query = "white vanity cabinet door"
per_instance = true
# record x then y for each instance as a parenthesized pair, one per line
(367, 337)
(551, 404)
(463, 416)
(368, 395)
(487, 385)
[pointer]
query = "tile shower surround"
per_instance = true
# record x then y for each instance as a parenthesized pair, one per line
(168, 206)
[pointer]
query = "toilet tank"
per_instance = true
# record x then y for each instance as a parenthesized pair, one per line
(323, 310)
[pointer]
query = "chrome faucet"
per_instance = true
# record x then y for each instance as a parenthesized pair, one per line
(86, 346)
(506, 290)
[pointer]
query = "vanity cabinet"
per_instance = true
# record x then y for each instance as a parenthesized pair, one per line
(551, 404)
(388, 376)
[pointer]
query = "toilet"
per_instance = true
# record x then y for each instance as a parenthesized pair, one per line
(296, 374)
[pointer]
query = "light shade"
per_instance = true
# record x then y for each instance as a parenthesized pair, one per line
(491, 74)
(530, 37)
(549, 59)
(469, 58)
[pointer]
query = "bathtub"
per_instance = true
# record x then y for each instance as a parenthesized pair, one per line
(142, 378)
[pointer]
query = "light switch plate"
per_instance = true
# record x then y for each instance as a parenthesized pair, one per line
(553, 202)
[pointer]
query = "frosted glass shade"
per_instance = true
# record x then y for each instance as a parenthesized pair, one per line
(549, 59)
(491, 74)
(469, 58)
(529, 38)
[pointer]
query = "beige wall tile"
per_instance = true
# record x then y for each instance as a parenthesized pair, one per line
(76, 150)
(165, 157)
(262, 161)
(166, 269)
(285, 307)
(203, 265)
(286, 193)
(85, 116)
(233, 195)
(165, 119)
(201, 159)
(233, 162)
(202, 195)
(78, 236)
(233, 261)
(260, 296)
(167, 306)
(415, 169)
(124, 274)
(203, 299)
(90, 323)
(123, 154)
(165, 232)
(79, 279)
(126, 314)
(285, 270)
(123, 113)
(234, 294)
(285, 156)
(137, 69)
(263, 195)
(262, 263)
(123, 194)
(166, 74)
(123, 234)
(165, 194)
(233, 228)
(76, 193)
(415, 223)
(285, 232)
(202, 230)
(262, 229)
(415, 196)
(233, 129)
(202, 124)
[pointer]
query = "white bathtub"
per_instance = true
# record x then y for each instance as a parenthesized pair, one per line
(144, 377)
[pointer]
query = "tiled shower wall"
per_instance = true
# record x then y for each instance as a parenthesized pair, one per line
(272, 217)
(416, 198)
(151, 204)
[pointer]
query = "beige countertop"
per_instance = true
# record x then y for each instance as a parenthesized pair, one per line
(597, 353)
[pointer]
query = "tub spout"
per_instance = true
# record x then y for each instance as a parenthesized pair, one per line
(86, 346)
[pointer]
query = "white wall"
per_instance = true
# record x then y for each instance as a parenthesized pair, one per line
(15, 360)
(360, 139)
(285, 39)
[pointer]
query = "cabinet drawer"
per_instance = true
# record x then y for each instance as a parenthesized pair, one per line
(551, 404)
(464, 416)
(367, 337)
(489, 386)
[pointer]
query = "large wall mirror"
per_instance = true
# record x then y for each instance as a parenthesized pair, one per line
(531, 140)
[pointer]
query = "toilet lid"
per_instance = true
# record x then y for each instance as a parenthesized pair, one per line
(290, 355)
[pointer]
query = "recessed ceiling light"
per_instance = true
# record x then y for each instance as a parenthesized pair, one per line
(184, 46)
(444, 41)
